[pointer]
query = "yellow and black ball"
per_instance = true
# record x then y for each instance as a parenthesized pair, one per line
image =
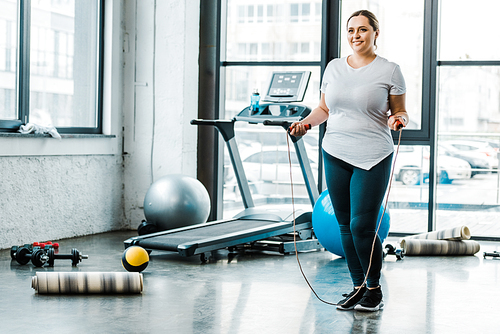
(135, 259)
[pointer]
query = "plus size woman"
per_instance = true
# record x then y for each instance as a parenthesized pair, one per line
(362, 99)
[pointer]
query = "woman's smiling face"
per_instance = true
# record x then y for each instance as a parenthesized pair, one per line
(361, 35)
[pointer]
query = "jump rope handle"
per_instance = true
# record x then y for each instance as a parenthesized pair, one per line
(307, 126)
(399, 124)
(285, 124)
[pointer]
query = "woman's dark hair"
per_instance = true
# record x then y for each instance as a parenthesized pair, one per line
(369, 15)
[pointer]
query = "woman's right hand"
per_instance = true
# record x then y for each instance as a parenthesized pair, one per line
(298, 129)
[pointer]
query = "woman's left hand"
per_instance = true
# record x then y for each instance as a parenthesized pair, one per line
(396, 123)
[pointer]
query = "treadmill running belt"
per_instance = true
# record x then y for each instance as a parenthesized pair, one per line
(229, 233)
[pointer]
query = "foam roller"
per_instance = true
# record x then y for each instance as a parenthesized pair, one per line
(87, 282)
(456, 233)
(439, 247)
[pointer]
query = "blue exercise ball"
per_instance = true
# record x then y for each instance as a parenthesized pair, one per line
(326, 227)
(175, 201)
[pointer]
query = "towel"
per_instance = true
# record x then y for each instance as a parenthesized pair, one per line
(38, 129)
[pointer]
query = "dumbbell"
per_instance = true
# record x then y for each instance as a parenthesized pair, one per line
(31, 247)
(391, 250)
(146, 227)
(14, 249)
(37, 256)
(75, 257)
(46, 245)
(494, 254)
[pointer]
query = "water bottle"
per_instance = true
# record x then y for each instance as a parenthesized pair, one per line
(254, 100)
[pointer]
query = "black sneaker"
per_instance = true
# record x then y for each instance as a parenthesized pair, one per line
(351, 299)
(371, 301)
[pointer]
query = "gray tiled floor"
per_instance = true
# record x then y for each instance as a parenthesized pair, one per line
(254, 293)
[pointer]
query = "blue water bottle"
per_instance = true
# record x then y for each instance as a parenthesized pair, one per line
(254, 100)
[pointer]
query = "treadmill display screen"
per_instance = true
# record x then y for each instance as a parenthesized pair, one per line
(287, 86)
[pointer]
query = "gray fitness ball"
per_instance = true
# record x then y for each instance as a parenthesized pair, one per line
(176, 201)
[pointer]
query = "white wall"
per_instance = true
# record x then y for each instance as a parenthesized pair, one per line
(160, 95)
(52, 189)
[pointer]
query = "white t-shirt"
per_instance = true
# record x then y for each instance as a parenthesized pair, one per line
(358, 101)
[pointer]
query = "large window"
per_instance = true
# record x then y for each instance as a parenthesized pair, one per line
(446, 173)
(51, 69)
(292, 32)
(468, 114)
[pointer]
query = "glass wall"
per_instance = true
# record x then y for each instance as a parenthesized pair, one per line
(409, 193)
(464, 30)
(464, 93)
(469, 116)
(291, 31)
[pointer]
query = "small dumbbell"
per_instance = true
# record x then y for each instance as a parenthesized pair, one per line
(494, 254)
(31, 247)
(14, 249)
(46, 245)
(37, 256)
(391, 250)
(146, 227)
(75, 256)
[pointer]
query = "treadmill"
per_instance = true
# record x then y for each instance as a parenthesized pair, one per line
(254, 227)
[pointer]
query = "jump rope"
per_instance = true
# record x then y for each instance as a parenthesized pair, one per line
(308, 126)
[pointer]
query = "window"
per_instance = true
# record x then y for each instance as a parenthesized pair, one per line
(294, 12)
(250, 13)
(270, 13)
(468, 115)
(260, 13)
(473, 22)
(283, 37)
(51, 72)
(243, 29)
(447, 170)
(8, 60)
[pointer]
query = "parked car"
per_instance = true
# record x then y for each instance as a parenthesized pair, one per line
(479, 154)
(412, 166)
(271, 166)
(268, 171)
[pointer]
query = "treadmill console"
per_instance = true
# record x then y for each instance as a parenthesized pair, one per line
(284, 88)
(274, 112)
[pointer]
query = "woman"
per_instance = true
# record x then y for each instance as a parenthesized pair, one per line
(358, 93)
